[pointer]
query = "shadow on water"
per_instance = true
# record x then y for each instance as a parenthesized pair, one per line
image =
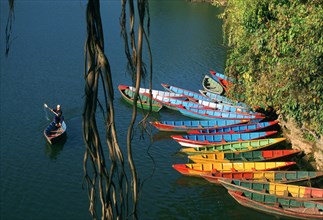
(153, 115)
(53, 150)
(189, 181)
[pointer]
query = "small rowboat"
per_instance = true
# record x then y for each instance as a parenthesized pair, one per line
(196, 169)
(185, 92)
(211, 85)
(276, 206)
(224, 107)
(252, 156)
(175, 103)
(222, 99)
(299, 177)
(224, 80)
(288, 191)
(236, 128)
(54, 134)
(143, 100)
(233, 147)
(154, 92)
(185, 126)
(199, 140)
(209, 114)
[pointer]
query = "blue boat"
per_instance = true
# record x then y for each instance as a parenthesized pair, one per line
(222, 99)
(208, 114)
(199, 140)
(174, 103)
(217, 75)
(54, 134)
(185, 92)
(185, 126)
(238, 128)
(224, 107)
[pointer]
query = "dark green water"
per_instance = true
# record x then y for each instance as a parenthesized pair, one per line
(45, 65)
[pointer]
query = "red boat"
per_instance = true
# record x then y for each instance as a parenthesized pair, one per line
(308, 177)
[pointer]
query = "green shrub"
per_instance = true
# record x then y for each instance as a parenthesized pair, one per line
(276, 55)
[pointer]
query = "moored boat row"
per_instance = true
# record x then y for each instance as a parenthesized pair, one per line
(231, 145)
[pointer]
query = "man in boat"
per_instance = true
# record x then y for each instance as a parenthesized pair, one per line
(58, 116)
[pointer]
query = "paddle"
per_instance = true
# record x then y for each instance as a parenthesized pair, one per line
(46, 106)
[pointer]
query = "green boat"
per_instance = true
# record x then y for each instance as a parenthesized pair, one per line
(279, 207)
(242, 146)
(296, 177)
(143, 99)
(211, 85)
(288, 191)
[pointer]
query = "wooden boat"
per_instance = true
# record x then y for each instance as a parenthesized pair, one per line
(185, 92)
(155, 92)
(186, 102)
(233, 147)
(224, 107)
(185, 126)
(196, 169)
(276, 206)
(252, 156)
(222, 99)
(54, 134)
(211, 85)
(199, 140)
(209, 114)
(288, 191)
(287, 177)
(204, 100)
(236, 128)
(175, 103)
(143, 100)
(224, 80)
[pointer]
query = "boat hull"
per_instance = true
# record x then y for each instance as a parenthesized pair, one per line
(279, 207)
(233, 147)
(205, 140)
(143, 101)
(186, 126)
(287, 191)
(295, 177)
(211, 85)
(196, 169)
(54, 135)
(252, 156)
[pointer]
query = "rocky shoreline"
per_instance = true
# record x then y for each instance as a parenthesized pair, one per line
(313, 150)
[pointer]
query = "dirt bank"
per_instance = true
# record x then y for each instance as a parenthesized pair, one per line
(295, 136)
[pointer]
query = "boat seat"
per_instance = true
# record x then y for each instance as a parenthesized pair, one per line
(286, 193)
(307, 195)
(264, 190)
(244, 159)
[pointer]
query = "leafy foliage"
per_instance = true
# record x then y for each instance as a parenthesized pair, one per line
(276, 55)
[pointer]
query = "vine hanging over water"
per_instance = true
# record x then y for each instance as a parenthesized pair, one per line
(109, 181)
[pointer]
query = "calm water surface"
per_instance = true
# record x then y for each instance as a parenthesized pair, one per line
(45, 65)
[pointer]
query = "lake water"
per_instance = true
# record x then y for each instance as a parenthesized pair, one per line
(45, 65)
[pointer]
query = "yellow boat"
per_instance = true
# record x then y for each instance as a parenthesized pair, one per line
(196, 169)
(252, 156)
(281, 190)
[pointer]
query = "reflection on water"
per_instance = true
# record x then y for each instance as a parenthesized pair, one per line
(191, 181)
(161, 135)
(53, 150)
